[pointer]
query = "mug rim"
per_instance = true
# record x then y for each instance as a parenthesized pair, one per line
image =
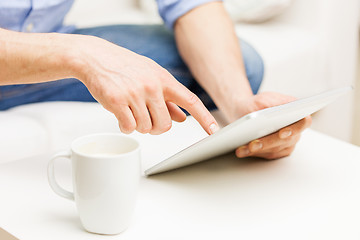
(137, 148)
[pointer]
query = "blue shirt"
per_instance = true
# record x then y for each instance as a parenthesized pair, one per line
(48, 15)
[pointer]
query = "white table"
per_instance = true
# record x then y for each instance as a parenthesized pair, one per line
(313, 194)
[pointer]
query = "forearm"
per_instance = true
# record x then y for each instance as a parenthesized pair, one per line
(32, 58)
(207, 42)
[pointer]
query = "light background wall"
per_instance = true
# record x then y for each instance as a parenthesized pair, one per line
(356, 133)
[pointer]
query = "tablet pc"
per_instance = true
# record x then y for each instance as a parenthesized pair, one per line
(249, 127)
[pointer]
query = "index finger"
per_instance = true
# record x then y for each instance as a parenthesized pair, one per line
(184, 98)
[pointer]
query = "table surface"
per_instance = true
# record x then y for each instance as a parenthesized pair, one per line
(313, 194)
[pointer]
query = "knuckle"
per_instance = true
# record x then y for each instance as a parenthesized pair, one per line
(290, 150)
(163, 74)
(147, 129)
(157, 70)
(127, 127)
(161, 129)
(133, 93)
(112, 98)
(277, 154)
(115, 99)
(192, 99)
(272, 156)
(287, 153)
(276, 149)
(155, 131)
(150, 88)
(166, 126)
(144, 129)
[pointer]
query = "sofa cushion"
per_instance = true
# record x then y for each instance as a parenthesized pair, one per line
(21, 136)
(251, 11)
(65, 121)
(255, 11)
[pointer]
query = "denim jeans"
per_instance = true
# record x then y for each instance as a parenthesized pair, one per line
(153, 41)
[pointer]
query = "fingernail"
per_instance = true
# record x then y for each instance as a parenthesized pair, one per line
(213, 128)
(256, 146)
(285, 134)
(242, 152)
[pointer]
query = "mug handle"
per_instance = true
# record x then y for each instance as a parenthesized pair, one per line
(51, 176)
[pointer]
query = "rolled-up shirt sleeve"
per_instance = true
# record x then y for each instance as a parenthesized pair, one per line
(171, 10)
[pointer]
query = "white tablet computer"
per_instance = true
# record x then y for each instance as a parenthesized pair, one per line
(250, 127)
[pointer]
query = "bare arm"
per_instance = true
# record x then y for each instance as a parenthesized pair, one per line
(207, 42)
(31, 58)
(140, 93)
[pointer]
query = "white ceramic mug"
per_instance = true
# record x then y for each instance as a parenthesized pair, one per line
(105, 175)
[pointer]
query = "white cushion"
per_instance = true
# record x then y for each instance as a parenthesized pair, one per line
(20, 137)
(255, 11)
(65, 121)
(252, 11)
(36, 129)
(85, 13)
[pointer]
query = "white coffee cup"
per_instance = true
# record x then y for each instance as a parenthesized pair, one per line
(105, 176)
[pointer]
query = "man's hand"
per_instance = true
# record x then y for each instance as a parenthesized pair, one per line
(276, 145)
(141, 94)
(210, 47)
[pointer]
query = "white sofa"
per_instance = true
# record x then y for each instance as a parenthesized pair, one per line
(308, 49)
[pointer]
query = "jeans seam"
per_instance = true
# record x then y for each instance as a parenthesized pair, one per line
(28, 89)
(19, 92)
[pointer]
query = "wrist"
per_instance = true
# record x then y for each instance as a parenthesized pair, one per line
(231, 94)
(74, 57)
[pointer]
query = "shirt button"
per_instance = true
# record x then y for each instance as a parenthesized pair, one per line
(30, 27)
